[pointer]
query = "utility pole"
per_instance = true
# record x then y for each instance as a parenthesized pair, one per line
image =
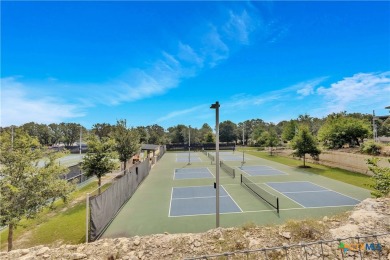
(216, 107)
(189, 145)
(243, 134)
(374, 130)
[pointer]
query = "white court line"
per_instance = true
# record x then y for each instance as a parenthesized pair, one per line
(190, 198)
(174, 172)
(194, 186)
(210, 172)
(308, 191)
(257, 175)
(231, 198)
(211, 177)
(285, 196)
(205, 214)
(182, 187)
(170, 203)
(318, 186)
(264, 210)
(338, 192)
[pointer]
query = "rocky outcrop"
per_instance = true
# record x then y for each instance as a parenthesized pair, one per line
(372, 216)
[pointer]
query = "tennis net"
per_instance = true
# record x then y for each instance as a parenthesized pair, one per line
(229, 170)
(263, 194)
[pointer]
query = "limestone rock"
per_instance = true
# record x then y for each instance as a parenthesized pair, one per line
(76, 256)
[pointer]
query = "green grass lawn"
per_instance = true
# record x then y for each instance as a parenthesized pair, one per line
(63, 224)
(357, 179)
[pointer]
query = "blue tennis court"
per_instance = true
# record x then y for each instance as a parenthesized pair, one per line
(200, 200)
(261, 170)
(192, 173)
(310, 195)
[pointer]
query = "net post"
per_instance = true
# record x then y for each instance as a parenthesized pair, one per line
(241, 178)
(277, 204)
(234, 173)
(87, 220)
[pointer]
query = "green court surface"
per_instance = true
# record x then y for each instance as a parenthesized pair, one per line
(165, 200)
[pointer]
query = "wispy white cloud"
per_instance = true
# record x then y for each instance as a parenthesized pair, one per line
(240, 26)
(307, 88)
(18, 108)
(296, 91)
(360, 90)
(178, 113)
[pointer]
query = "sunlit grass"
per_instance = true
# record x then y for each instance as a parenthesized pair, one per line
(64, 224)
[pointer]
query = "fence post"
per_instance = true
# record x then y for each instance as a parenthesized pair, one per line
(87, 220)
(360, 251)
(377, 242)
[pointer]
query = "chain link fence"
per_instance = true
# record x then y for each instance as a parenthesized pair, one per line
(359, 247)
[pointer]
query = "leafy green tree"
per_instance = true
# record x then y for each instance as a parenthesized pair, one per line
(227, 131)
(127, 142)
(289, 130)
(177, 134)
(56, 133)
(381, 178)
(26, 188)
(206, 134)
(156, 134)
(100, 158)
(45, 135)
(102, 130)
(143, 134)
(269, 139)
(31, 129)
(304, 143)
(71, 132)
(340, 129)
(257, 134)
(210, 138)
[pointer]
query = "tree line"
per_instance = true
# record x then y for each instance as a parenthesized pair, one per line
(334, 131)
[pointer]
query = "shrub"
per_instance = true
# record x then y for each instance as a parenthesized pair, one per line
(371, 148)
(305, 229)
(381, 178)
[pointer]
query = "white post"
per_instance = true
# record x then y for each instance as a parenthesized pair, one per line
(216, 107)
(189, 145)
(87, 220)
(243, 135)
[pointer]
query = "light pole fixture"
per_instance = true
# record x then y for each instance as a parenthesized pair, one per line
(189, 145)
(216, 107)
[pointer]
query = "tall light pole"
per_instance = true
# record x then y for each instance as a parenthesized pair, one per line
(189, 145)
(243, 135)
(216, 107)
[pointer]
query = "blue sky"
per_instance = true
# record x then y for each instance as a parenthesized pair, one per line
(166, 62)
